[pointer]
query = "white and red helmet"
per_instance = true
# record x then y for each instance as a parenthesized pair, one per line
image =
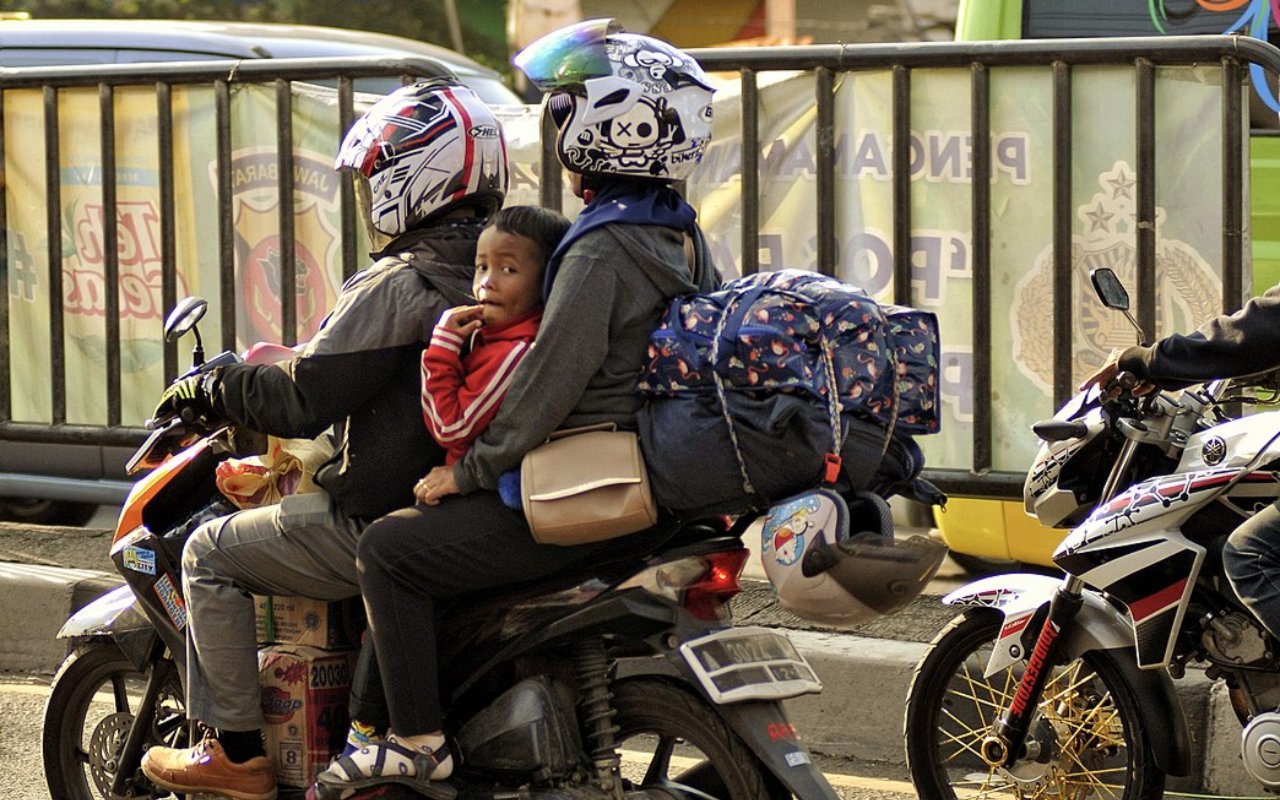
(423, 150)
(622, 103)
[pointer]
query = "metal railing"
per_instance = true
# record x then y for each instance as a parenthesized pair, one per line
(978, 478)
(1062, 56)
(220, 75)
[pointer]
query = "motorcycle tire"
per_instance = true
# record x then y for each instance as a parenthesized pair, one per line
(686, 744)
(88, 715)
(1089, 724)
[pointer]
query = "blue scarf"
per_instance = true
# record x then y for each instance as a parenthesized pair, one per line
(626, 202)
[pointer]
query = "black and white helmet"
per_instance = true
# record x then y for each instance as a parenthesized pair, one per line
(622, 103)
(423, 150)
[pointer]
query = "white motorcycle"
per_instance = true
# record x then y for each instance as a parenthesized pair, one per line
(1064, 688)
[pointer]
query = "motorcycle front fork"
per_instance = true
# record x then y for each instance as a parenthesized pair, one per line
(1006, 741)
(144, 718)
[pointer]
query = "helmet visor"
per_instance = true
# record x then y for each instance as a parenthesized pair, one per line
(568, 56)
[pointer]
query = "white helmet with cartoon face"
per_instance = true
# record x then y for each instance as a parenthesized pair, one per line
(622, 103)
(822, 572)
(422, 151)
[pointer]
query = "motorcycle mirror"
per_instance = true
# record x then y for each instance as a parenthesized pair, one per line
(1113, 295)
(1109, 288)
(183, 318)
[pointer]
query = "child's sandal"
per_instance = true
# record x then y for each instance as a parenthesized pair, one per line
(345, 773)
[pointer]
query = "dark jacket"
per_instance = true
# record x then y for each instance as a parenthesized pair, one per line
(360, 373)
(1229, 346)
(612, 287)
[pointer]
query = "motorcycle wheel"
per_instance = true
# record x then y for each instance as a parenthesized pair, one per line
(90, 710)
(1089, 727)
(672, 741)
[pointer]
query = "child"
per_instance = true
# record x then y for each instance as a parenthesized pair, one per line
(475, 349)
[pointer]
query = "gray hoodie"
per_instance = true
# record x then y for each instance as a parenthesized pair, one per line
(613, 285)
(360, 373)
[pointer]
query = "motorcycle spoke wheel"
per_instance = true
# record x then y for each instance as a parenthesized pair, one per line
(89, 714)
(1088, 740)
(671, 741)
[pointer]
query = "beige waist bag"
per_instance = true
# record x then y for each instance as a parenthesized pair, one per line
(586, 485)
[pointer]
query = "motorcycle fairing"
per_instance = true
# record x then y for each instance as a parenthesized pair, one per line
(1240, 443)
(118, 616)
(1133, 549)
(1098, 626)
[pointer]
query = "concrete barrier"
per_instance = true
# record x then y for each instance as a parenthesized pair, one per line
(35, 600)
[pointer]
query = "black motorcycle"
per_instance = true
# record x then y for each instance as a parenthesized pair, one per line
(624, 679)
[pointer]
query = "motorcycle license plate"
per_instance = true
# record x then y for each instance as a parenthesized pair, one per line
(739, 664)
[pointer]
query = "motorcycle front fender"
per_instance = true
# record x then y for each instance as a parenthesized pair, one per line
(115, 615)
(1097, 626)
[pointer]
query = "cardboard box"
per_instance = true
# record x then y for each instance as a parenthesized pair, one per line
(304, 698)
(300, 621)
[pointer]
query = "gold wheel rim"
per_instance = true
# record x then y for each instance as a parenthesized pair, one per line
(1089, 752)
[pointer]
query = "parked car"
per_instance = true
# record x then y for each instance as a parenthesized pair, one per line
(64, 42)
(65, 483)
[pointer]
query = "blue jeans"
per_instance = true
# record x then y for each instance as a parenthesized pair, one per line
(1251, 559)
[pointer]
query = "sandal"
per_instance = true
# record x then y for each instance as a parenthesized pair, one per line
(344, 773)
(383, 791)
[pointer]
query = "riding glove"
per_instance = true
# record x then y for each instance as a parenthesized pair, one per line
(194, 392)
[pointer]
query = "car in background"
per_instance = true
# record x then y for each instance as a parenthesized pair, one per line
(67, 42)
(65, 484)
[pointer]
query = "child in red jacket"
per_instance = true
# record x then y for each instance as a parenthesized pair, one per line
(474, 350)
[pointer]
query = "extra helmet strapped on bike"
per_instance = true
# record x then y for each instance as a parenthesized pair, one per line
(422, 151)
(822, 572)
(622, 103)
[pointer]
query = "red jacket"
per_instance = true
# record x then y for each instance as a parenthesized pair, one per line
(461, 394)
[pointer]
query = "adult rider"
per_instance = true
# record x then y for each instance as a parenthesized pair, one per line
(1228, 346)
(430, 166)
(633, 114)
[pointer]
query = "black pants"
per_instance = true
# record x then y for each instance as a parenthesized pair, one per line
(413, 559)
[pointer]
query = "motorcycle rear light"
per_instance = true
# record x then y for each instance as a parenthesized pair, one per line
(705, 597)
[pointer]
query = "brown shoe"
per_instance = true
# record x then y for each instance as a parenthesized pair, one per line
(206, 768)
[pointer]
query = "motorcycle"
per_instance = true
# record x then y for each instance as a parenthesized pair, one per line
(1064, 688)
(549, 684)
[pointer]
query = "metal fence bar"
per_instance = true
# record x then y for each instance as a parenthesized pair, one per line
(168, 219)
(750, 172)
(825, 147)
(346, 181)
(284, 176)
(6, 382)
(901, 116)
(1145, 202)
(226, 221)
(1062, 225)
(110, 249)
(1232, 186)
(980, 260)
(244, 71)
(53, 230)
